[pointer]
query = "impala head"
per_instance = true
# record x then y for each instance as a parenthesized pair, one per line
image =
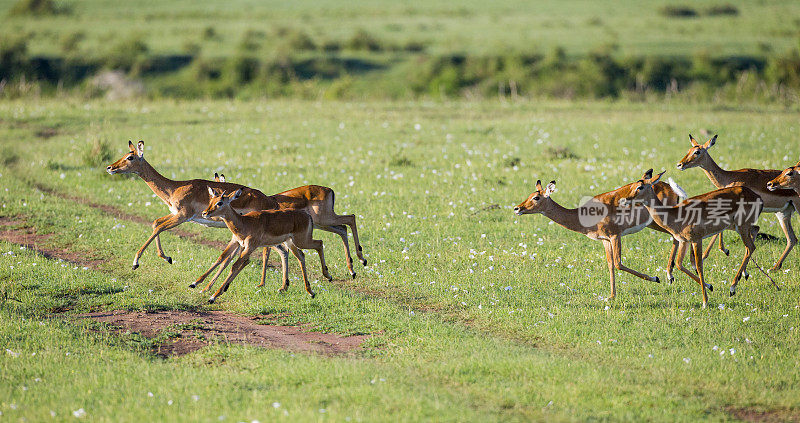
(218, 201)
(697, 154)
(642, 189)
(131, 162)
(537, 201)
(789, 178)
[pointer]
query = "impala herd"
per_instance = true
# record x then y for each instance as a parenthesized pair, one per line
(285, 221)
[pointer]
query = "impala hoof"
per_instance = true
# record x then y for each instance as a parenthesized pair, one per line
(705, 305)
(710, 287)
(353, 275)
(281, 290)
(733, 291)
(169, 260)
(192, 285)
(135, 266)
(746, 275)
(211, 300)
(656, 279)
(670, 278)
(727, 252)
(364, 262)
(312, 294)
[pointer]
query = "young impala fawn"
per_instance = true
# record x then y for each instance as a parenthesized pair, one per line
(782, 202)
(265, 228)
(789, 178)
(612, 223)
(702, 216)
(187, 199)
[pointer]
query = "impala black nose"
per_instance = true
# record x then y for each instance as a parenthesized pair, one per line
(108, 167)
(680, 165)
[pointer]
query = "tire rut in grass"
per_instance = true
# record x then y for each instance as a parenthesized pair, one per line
(121, 214)
(17, 231)
(189, 331)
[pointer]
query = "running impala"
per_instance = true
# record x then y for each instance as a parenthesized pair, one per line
(782, 202)
(265, 228)
(187, 199)
(617, 221)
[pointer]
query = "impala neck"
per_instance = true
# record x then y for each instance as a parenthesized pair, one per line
(160, 185)
(233, 220)
(567, 218)
(717, 175)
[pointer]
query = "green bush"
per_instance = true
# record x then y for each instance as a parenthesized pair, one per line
(127, 54)
(363, 40)
(69, 42)
(678, 11)
(38, 8)
(299, 40)
(722, 9)
(14, 60)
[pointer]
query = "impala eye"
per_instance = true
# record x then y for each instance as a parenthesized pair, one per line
(789, 173)
(697, 153)
(130, 157)
(219, 204)
(639, 188)
(536, 198)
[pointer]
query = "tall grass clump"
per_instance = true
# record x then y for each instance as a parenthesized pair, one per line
(96, 153)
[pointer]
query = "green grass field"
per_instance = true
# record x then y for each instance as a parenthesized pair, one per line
(476, 314)
(638, 28)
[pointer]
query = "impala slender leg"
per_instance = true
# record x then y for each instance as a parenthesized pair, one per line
(748, 236)
(785, 219)
(301, 258)
(237, 267)
(341, 230)
(671, 265)
(682, 247)
(225, 254)
(160, 251)
(265, 258)
(159, 225)
(283, 252)
(616, 244)
(697, 249)
(228, 260)
(717, 237)
(610, 261)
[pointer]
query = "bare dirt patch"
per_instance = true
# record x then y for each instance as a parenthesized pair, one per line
(16, 231)
(764, 416)
(192, 330)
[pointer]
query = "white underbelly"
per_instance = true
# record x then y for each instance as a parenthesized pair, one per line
(208, 222)
(634, 229)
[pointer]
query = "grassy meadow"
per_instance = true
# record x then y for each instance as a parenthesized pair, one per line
(476, 314)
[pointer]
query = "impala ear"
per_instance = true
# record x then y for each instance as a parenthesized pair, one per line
(236, 194)
(797, 165)
(216, 178)
(130, 145)
(653, 181)
(551, 188)
(538, 185)
(222, 177)
(647, 175)
(211, 192)
(140, 148)
(691, 140)
(711, 142)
